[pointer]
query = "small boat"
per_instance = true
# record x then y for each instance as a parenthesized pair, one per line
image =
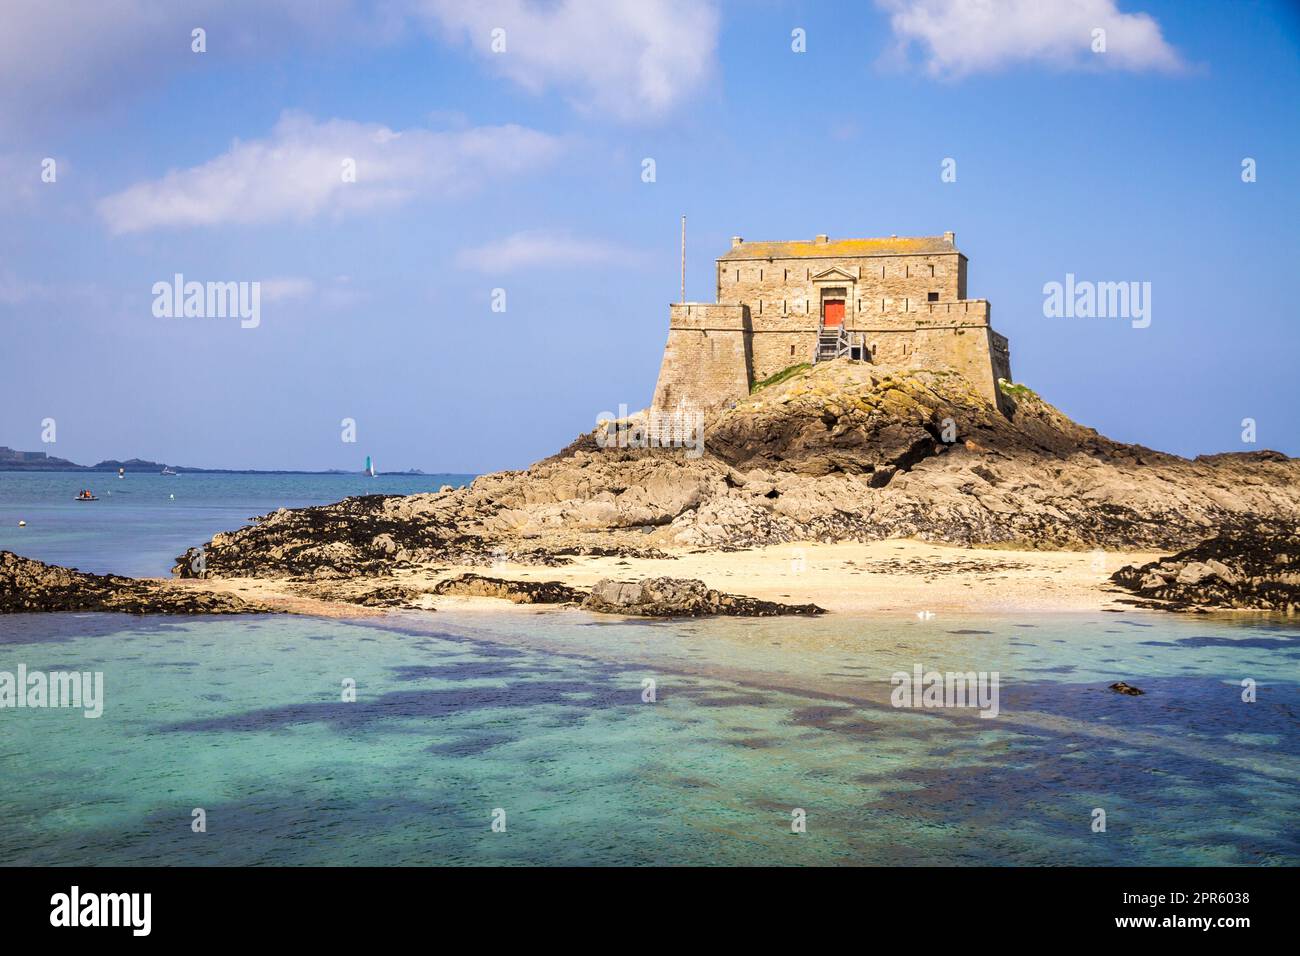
(370, 467)
(85, 496)
(168, 472)
(121, 473)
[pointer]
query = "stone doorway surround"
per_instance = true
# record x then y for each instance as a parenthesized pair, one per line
(835, 283)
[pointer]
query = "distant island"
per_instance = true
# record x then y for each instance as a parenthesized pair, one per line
(11, 460)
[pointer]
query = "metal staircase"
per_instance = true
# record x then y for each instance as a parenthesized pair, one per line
(832, 342)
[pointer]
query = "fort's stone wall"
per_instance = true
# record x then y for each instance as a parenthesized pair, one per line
(775, 349)
(706, 361)
(785, 287)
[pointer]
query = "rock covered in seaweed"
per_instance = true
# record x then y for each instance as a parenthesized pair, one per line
(27, 585)
(682, 597)
(1253, 566)
(520, 592)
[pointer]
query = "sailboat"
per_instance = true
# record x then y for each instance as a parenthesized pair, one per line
(370, 467)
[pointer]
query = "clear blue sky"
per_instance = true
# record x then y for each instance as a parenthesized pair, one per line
(522, 170)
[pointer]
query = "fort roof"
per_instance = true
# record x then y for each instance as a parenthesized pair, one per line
(842, 248)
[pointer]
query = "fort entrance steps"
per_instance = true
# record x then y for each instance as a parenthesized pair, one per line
(832, 342)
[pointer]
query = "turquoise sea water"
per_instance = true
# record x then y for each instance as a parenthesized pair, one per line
(540, 714)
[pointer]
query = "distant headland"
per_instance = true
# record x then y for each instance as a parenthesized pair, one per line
(11, 460)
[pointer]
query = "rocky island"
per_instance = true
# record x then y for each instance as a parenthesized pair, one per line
(844, 486)
(839, 454)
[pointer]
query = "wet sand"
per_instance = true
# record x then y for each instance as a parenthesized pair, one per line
(882, 576)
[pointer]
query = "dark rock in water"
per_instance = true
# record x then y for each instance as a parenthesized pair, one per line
(1253, 565)
(1120, 687)
(682, 597)
(390, 595)
(27, 585)
(520, 592)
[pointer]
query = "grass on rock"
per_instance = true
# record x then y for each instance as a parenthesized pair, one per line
(780, 376)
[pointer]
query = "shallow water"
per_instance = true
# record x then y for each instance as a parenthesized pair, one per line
(540, 714)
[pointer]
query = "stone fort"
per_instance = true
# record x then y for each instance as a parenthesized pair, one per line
(900, 300)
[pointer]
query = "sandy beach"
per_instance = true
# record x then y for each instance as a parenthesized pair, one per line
(846, 578)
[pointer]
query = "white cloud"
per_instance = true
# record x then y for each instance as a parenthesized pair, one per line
(58, 57)
(960, 37)
(633, 59)
(526, 249)
(17, 291)
(331, 294)
(298, 173)
(286, 288)
(20, 178)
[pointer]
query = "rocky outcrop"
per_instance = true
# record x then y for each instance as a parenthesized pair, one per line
(375, 535)
(680, 597)
(1253, 566)
(839, 452)
(27, 585)
(520, 592)
(387, 596)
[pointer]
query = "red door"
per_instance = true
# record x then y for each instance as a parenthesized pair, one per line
(834, 312)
